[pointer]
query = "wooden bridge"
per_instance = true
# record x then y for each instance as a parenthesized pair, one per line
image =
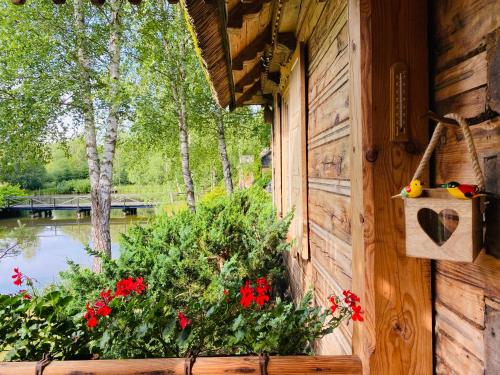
(79, 203)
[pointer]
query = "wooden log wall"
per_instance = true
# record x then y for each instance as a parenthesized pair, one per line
(465, 63)
(359, 243)
(323, 28)
(329, 165)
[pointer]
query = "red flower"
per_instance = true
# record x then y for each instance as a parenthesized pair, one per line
(183, 320)
(92, 321)
(262, 288)
(261, 299)
(102, 308)
(17, 276)
(126, 286)
(25, 294)
(334, 305)
(139, 286)
(90, 316)
(350, 298)
(247, 296)
(226, 292)
(263, 284)
(106, 296)
(356, 316)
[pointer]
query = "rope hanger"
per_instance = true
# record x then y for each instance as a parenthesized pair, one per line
(456, 120)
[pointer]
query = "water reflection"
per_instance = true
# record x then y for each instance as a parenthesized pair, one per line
(41, 247)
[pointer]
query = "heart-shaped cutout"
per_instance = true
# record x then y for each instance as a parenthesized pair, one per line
(438, 226)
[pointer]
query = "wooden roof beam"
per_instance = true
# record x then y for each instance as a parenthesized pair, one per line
(235, 18)
(251, 50)
(287, 41)
(250, 77)
(247, 95)
(274, 77)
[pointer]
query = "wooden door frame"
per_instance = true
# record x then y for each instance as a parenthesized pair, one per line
(396, 336)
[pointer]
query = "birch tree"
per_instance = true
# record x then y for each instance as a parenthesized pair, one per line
(168, 53)
(226, 165)
(100, 169)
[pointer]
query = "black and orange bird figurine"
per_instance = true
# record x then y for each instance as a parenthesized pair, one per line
(462, 191)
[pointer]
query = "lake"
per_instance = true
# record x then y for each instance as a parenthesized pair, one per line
(47, 244)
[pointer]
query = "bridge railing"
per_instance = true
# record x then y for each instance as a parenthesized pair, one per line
(78, 201)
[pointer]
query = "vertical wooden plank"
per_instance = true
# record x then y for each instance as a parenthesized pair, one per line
(294, 106)
(303, 145)
(492, 337)
(277, 149)
(396, 337)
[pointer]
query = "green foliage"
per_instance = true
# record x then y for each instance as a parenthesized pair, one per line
(187, 261)
(44, 324)
(68, 161)
(7, 190)
(215, 193)
(81, 186)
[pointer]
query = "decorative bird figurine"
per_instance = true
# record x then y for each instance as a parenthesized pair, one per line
(413, 190)
(462, 191)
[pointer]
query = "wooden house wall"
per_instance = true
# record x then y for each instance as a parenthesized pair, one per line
(465, 72)
(323, 28)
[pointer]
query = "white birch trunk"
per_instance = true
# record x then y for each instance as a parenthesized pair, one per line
(101, 174)
(226, 165)
(180, 99)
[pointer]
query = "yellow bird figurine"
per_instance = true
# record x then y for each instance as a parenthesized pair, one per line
(413, 190)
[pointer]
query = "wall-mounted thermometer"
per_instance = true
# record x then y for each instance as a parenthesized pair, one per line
(399, 102)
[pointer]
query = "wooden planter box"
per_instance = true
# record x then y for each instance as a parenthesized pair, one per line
(439, 226)
(293, 365)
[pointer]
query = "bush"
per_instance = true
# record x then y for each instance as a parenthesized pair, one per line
(214, 284)
(214, 193)
(7, 190)
(73, 187)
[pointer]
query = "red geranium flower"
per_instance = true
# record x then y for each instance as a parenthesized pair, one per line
(350, 298)
(106, 296)
(261, 299)
(90, 316)
(334, 305)
(356, 316)
(263, 284)
(247, 296)
(17, 276)
(226, 292)
(92, 321)
(126, 286)
(25, 294)
(102, 308)
(183, 320)
(139, 286)
(262, 289)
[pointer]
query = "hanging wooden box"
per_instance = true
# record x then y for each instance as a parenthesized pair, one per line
(439, 226)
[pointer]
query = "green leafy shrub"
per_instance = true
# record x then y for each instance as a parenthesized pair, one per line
(81, 186)
(214, 284)
(43, 324)
(214, 193)
(7, 190)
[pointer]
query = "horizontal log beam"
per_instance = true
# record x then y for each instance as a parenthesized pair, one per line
(279, 365)
(287, 41)
(252, 49)
(235, 18)
(247, 95)
(249, 78)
